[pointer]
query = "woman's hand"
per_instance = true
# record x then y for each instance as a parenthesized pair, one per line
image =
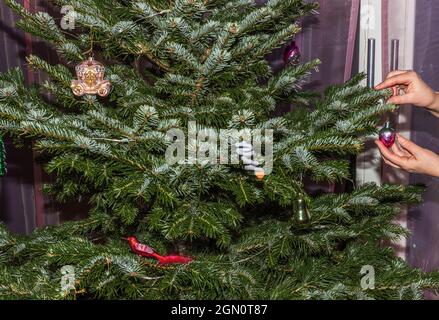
(416, 91)
(410, 157)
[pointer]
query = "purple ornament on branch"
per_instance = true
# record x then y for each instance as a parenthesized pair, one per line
(388, 135)
(292, 54)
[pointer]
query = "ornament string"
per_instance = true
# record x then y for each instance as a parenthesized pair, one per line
(2, 157)
(90, 51)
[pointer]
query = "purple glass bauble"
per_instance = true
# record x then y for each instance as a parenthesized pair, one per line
(292, 54)
(388, 135)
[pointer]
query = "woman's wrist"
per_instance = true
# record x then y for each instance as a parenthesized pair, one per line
(434, 167)
(434, 106)
(435, 173)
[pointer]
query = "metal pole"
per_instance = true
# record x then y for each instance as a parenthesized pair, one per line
(394, 55)
(394, 65)
(371, 45)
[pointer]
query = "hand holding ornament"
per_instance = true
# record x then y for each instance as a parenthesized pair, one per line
(408, 88)
(408, 156)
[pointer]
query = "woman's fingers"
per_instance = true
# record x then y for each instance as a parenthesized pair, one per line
(398, 150)
(404, 99)
(391, 157)
(408, 145)
(391, 164)
(396, 80)
(395, 73)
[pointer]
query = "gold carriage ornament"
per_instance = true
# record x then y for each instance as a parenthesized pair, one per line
(90, 75)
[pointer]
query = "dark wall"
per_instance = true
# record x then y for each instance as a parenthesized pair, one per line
(23, 207)
(17, 205)
(424, 220)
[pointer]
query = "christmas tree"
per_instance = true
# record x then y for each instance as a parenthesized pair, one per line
(197, 67)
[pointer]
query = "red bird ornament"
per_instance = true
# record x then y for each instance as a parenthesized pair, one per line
(148, 252)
